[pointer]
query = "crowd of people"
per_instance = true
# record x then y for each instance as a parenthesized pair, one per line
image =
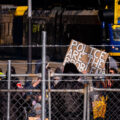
(64, 105)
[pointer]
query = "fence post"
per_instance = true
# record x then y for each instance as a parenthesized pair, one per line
(88, 102)
(49, 94)
(43, 74)
(9, 80)
(29, 68)
(85, 102)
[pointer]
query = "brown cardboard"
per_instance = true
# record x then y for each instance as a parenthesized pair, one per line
(85, 57)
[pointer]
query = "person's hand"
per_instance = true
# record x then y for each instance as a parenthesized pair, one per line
(84, 72)
(109, 83)
(36, 83)
(47, 66)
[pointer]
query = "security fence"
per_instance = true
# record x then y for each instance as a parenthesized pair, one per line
(87, 98)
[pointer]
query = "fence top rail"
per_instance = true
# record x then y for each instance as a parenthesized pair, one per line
(39, 90)
(23, 75)
(106, 89)
(61, 90)
(26, 75)
(86, 75)
(56, 74)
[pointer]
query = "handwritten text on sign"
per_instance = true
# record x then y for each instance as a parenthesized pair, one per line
(85, 57)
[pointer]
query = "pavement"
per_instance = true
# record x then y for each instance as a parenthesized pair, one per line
(20, 66)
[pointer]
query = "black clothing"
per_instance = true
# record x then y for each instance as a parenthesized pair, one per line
(113, 103)
(67, 105)
(16, 101)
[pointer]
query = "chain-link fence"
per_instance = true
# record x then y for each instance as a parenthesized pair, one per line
(85, 96)
(20, 94)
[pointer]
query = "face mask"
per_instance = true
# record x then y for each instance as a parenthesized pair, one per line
(56, 82)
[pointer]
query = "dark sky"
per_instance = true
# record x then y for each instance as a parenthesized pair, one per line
(70, 4)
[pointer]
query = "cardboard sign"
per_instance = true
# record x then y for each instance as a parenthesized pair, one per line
(85, 57)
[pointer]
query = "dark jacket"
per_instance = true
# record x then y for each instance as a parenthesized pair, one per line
(67, 105)
(16, 100)
(113, 103)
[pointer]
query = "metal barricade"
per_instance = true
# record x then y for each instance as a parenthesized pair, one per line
(83, 100)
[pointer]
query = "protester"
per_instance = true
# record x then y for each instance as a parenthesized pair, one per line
(1, 73)
(1, 95)
(99, 98)
(33, 98)
(113, 103)
(113, 63)
(67, 105)
(113, 81)
(56, 79)
(16, 99)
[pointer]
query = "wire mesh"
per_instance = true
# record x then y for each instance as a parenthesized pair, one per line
(65, 98)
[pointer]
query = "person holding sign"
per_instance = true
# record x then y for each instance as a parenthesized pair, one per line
(67, 105)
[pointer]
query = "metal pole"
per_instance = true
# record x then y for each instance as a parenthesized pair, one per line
(49, 94)
(29, 68)
(88, 102)
(43, 74)
(9, 79)
(85, 103)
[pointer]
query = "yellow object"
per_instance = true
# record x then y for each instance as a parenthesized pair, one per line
(116, 26)
(20, 10)
(114, 54)
(106, 7)
(99, 108)
(116, 12)
(1, 73)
